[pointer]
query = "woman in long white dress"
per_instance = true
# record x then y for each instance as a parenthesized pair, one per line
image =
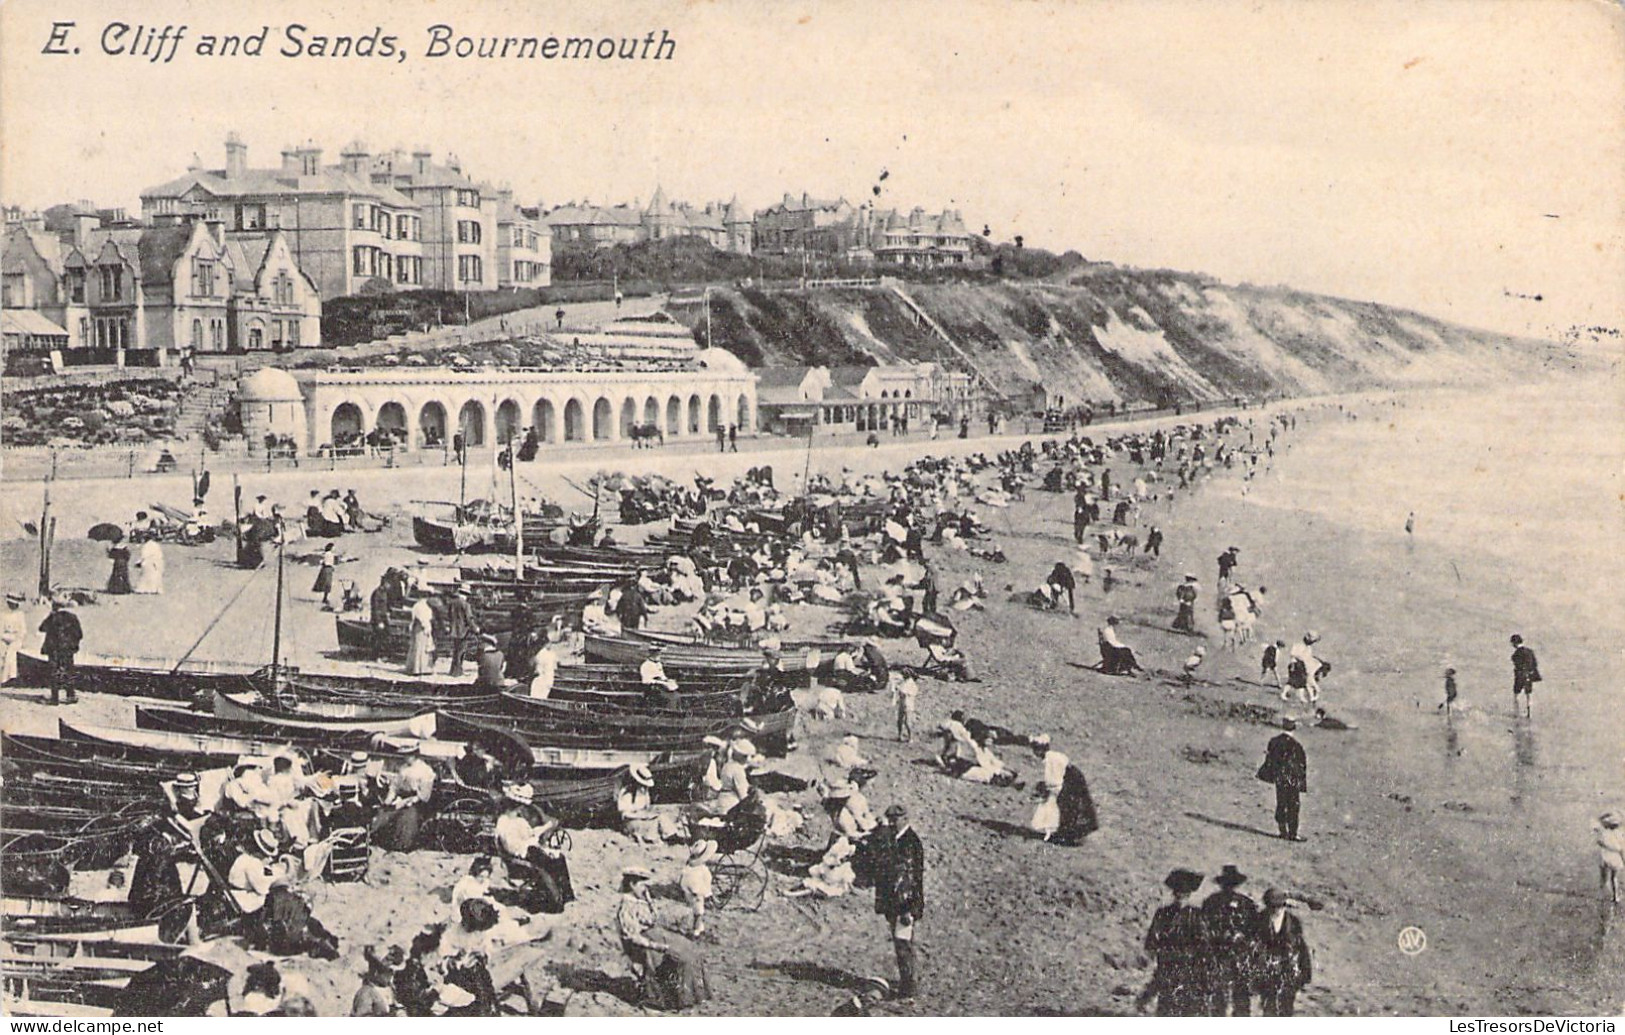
(420, 651)
(13, 628)
(149, 576)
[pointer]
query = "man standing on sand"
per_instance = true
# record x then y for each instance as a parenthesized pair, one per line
(1282, 957)
(62, 637)
(461, 628)
(900, 891)
(1287, 767)
(1525, 674)
(1230, 919)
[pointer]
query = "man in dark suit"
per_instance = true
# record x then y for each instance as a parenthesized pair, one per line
(62, 637)
(460, 627)
(1230, 918)
(1287, 767)
(900, 891)
(1525, 674)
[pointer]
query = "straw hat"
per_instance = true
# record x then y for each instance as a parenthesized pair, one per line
(266, 841)
(186, 783)
(641, 774)
(637, 873)
(522, 793)
(702, 851)
(744, 748)
(715, 742)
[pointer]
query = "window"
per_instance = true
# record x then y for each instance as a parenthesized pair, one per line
(470, 269)
(250, 217)
(468, 198)
(360, 217)
(468, 231)
(203, 279)
(293, 334)
(76, 286)
(282, 289)
(385, 267)
(359, 267)
(276, 334)
(217, 331)
(403, 227)
(197, 335)
(112, 283)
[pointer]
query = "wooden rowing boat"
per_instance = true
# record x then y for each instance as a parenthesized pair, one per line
(329, 716)
(140, 677)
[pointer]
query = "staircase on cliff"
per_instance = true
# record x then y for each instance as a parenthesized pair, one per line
(924, 319)
(201, 402)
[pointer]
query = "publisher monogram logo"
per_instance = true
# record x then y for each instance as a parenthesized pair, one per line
(1413, 941)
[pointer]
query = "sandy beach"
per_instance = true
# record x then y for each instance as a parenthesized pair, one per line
(1475, 830)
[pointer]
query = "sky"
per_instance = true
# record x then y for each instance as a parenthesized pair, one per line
(1455, 156)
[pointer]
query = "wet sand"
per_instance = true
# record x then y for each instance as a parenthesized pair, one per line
(1475, 831)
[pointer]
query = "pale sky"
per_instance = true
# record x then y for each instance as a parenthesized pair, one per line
(1434, 155)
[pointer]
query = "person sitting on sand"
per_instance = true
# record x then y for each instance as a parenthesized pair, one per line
(832, 875)
(1116, 657)
(639, 820)
(950, 660)
(846, 753)
(958, 751)
(988, 767)
(1187, 673)
(1327, 722)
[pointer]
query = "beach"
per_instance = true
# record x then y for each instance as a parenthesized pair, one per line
(1474, 830)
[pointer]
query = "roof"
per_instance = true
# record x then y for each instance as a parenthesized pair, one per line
(835, 394)
(268, 384)
(31, 322)
(128, 242)
(158, 249)
(331, 180)
(780, 377)
(848, 375)
(593, 215)
(247, 256)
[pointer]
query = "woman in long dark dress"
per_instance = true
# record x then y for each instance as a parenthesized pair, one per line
(119, 581)
(1078, 819)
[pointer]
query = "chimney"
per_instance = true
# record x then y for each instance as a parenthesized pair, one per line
(83, 224)
(355, 158)
(290, 160)
(236, 156)
(310, 159)
(420, 161)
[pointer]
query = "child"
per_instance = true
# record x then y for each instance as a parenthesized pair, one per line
(324, 577)
(1192, 663)
(695, 882)
(905, 691)
(1449, 690)
(1266, 667)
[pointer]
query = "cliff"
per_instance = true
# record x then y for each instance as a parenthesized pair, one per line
(1104, 332)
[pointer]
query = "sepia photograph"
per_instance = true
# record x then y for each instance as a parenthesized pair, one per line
(908, 509)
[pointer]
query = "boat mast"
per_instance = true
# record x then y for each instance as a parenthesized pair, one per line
(276, 634)
(518, 513)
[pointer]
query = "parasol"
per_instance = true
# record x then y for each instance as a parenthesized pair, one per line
(105, 532)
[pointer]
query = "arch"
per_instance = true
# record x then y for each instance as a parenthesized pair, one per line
(713, 413)
(347, 423)
(575, 421)
(471, 422)
(197, 335)
(629, 416)
(432, 425)
(509, 424)
(392, 421)
(674, 416)
(742, 409)
(694, 405)
(544, 418)
(603, 417)
(651, 411)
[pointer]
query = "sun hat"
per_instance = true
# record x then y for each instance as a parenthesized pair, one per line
(523, 793)
(641, 774)
(266, 841)
(744, 748)
(1183, 881)
(1230, 877)
(702, 851)
(639, 873)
